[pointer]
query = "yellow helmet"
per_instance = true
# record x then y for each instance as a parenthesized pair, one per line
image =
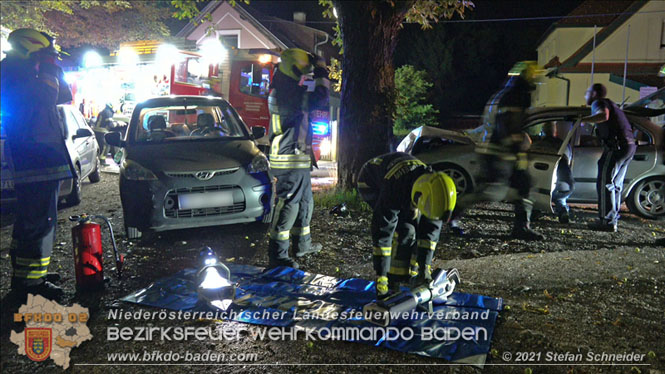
(25, 42)
(529, 70)
(435, 195)
(295, 62)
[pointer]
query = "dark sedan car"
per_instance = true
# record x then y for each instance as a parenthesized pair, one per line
(190, 161)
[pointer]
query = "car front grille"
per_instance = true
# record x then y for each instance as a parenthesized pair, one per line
(174, 212)
(192, 174)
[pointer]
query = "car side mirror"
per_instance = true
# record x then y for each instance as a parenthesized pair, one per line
(82, 133)
(114, 139)
(258, 132)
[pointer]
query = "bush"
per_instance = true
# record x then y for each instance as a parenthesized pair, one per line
(411, 109)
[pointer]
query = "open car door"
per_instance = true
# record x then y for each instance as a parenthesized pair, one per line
(542, 169)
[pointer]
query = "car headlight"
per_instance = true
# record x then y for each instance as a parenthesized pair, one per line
(134, 171)
(259, 164)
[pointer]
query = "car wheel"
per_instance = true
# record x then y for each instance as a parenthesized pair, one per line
(648, 198)
(95, 177)
(74, 198)
(459, 176)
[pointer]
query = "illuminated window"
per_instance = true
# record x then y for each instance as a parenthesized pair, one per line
(229, 41)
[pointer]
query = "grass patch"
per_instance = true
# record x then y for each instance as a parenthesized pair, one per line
(330, 197)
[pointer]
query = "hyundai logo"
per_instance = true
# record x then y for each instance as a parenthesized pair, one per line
(204, 175)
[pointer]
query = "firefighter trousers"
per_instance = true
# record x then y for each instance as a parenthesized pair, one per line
(504, 182)
(612, 168)
(293, 213)
(402, 242)
(34, 231)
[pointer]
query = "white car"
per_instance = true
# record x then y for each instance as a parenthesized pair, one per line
(82, 147)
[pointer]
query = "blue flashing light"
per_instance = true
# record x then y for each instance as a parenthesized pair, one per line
(320, 128)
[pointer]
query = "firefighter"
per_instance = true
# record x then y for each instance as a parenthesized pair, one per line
(504, 159)
(616, 136)
(32, 86)
(103, 125)
(290, 153)
(409, 201)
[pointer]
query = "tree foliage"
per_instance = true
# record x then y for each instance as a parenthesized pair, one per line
(104, 23)
(411, 107)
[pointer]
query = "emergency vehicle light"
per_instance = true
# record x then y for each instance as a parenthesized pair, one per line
(320, 128)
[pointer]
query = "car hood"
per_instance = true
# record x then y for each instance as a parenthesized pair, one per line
(193, 156)
(406, 145)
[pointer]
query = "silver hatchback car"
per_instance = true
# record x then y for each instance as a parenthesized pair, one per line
(190, 161)
(644, 186)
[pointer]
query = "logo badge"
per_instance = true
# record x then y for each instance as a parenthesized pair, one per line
(204, 175)
(38, 343)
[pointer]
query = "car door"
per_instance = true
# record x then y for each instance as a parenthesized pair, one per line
(80, 146)
(586, 153)
(543, 163)
(91, 147)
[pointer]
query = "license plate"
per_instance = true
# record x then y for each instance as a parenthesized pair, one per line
(8, 184)
(205, 200)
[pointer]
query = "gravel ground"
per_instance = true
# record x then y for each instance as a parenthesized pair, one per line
(577, 292)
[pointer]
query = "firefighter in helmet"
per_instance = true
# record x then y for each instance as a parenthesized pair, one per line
(291, 152)
(503, 158)
(410, 203)
(32, 86)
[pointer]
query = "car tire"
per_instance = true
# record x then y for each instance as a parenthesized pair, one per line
(74, 198)
(462, 180)
(95, 177)
(647, 199)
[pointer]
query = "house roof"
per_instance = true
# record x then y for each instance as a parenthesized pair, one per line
(285, 34)
(591, 13)
(603, 34)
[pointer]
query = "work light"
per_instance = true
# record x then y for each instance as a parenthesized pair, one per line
(214, 281)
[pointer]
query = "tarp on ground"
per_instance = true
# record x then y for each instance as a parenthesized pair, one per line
(321, 302)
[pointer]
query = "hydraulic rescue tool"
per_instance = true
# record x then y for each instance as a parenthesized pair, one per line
(383, 312)
(88, 254)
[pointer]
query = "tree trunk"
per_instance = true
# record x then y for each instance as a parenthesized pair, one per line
(369, 32)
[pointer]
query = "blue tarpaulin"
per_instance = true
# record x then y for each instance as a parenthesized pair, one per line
(459, 329)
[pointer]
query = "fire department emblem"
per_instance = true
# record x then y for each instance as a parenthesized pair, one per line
(38, 343)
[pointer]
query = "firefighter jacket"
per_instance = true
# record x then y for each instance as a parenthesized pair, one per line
(35, 133)
(505, 113)
(385, 182)
(290, 130)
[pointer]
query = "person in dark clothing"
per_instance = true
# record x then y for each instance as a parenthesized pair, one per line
(103, 125)
(409, 201)
(503, 158)
(32, 86)
(291, 151)
(616, 136)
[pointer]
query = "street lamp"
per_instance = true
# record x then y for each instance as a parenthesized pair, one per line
(213, 279)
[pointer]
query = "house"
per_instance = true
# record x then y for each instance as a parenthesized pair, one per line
(625, 30)
(252, 43)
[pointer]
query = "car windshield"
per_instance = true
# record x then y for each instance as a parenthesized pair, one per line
(187, 122)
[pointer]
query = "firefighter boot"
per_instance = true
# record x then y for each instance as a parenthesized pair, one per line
(279, 256)
(44, 288)
(382, 290)
(313, 248)
(522, 229)
(524, 232)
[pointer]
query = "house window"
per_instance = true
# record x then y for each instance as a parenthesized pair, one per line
(662, 34)
(229, 41)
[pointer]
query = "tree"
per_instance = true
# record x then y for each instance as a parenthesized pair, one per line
(411, 90)
(369, 31)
